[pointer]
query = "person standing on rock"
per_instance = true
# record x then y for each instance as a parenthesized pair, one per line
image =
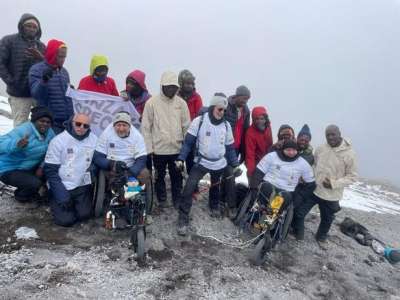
(165, 121)
(22, 151)
(67, 168)
(98, 81)
(18, 52)
(334, 168)
(258, 139)
(49, 81)
(211, 137)
(187, 92)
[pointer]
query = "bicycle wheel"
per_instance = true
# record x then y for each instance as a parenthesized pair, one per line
(260, 253)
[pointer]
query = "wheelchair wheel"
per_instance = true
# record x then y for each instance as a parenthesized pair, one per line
(288, 221)
(138, 242)
(260, 252)
(100, 192)
(149, 197)
(243, 209)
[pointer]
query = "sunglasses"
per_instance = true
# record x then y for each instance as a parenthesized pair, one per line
(221, 109)
(80, 124)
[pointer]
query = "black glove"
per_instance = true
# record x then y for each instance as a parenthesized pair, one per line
(237, 172)
(118, 166)
(47, 74)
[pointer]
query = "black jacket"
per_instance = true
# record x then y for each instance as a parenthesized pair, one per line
(14, 63)
(231, 116)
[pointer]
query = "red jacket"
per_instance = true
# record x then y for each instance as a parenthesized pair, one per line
(194, 104)
(257, 142)
(107, 87)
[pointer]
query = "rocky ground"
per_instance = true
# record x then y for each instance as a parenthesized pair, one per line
(90, 262)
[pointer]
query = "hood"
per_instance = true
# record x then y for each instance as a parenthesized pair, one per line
(97, 60)
(51, 51)
(258, 111)
(168, 78)
(25, 17)
(139, 77)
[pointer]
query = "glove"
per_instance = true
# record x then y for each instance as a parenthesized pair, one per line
(179, 166)
(118, 166)
(237, 172)
(47, 74)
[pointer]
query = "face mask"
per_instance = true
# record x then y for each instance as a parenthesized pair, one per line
(261, 126)
(100, 79)
(135, 91)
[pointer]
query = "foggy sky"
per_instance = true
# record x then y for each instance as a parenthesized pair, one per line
(315, 62)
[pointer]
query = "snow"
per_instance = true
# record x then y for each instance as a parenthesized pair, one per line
(6, 124)
(26, 233)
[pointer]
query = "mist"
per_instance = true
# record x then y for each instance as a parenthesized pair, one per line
(315, 62)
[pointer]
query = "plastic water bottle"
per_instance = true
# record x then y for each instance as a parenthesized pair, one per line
(392, 255)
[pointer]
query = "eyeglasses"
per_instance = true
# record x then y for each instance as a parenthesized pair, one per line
(80, 124)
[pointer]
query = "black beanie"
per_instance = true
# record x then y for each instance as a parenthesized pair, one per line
(289, 144)
(40, 111)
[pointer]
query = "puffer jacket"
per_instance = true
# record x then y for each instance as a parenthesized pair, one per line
(15, 63)
(14, 158)
(165, 121)
(337, 164)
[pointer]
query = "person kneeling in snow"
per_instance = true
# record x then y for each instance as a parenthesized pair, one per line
(22, 151)
(67, 168)
(211, 135)
(279, 172)
(121, 147)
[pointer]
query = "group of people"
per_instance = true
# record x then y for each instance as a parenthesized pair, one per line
(56, 145)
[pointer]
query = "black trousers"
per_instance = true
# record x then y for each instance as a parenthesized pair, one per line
(26, 182)
(79, 210)
(228, 187)
(197, 172)
(327, 211)
(161, 162)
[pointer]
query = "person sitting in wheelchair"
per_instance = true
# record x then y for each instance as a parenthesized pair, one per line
(279, 173)
(121, 152)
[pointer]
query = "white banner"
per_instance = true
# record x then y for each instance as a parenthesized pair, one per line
(101, 108)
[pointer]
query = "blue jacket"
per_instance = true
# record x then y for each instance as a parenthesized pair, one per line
(52, 93)
(14, 158)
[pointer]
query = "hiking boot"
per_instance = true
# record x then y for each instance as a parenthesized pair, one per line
(149, 220)
(183, 229)
(232, 213)
(215, 213)
(299, 234)
(322, 242)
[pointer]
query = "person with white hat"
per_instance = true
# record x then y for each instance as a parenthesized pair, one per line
(211, 136)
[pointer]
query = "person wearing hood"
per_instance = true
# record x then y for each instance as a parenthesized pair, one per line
(67, 168)
(187, 91)
(49, 81)
(303, 142)
(165, 121)
(136, 90)
(18, 52)
(211, 137)
(280, 172)
(335, 168)
(285, 133)
(258, 138)
(22, 151)
(98, 81)
(238, 115)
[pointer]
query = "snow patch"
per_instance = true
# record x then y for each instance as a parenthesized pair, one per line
(26, 233)
(6, 124)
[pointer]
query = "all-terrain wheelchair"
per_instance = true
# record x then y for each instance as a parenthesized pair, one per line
(267, 217)
(124, 203)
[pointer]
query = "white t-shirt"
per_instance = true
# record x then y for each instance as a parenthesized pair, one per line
(121, 149)
(285, 174)
(212, 140)
(74, 158)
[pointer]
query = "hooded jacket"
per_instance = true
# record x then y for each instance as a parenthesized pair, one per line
(257, 142)
(52, 93)
(14, 62)
(139, 103)
(27, 158)
(339, 165)
(88, 83)
(194, 103)
(165, 121)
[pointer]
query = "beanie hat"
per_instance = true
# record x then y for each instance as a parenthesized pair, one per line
(185, 75)
(122, 116)
(242, 91)
(289, 144)
(305, 130)
(39, 112)
(220, 100)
